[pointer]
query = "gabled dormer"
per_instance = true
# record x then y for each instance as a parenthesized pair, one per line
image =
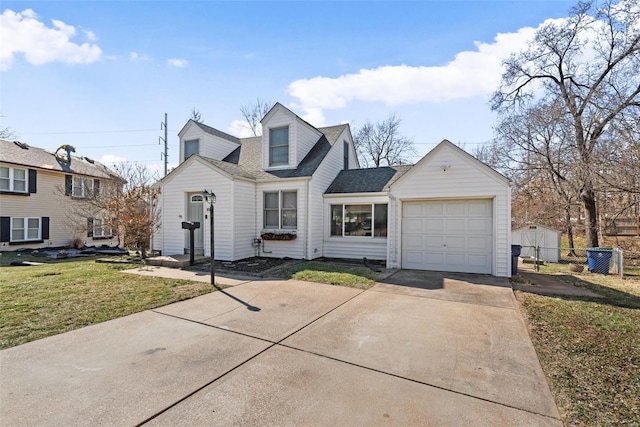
(286, 139)
(198, 138)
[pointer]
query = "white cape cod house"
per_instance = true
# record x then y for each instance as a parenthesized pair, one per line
(298, 191)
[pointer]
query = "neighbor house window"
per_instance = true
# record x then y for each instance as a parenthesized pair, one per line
(279, 146)
(346, 155)
(191, 147)
(82, 187)
(359, 220)
(24, 229)
(101, 228)
(281, 209)
(13, 179)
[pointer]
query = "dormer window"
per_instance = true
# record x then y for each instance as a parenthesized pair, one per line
(191, 147)
(279, 146)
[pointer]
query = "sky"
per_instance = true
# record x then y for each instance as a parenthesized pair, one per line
(101, 75)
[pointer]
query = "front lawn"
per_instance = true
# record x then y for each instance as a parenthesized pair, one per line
(590, 349)
(45, 300)
(332, 273)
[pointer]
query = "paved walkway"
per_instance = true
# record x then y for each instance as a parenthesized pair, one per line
(453, 350)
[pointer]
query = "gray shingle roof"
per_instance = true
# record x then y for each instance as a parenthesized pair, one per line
(216, 132)
(246, 160)
(26, 155)
(372, 180)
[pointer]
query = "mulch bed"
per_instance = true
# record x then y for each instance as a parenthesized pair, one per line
(254, 265)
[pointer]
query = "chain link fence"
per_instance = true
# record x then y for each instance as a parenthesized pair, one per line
(581, 260)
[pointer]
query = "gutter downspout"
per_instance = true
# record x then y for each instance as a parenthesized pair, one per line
(308, 227)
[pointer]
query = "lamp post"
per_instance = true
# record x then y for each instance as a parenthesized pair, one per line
(210, 197)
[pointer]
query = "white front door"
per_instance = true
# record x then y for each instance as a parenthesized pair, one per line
(195, 211)
(451, 235)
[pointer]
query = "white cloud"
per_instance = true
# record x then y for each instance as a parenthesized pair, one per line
(180, 63)
(469, 74)
(241, 129)
(23, 33)
(135, 57)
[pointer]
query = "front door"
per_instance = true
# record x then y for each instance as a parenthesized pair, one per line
(195, 210)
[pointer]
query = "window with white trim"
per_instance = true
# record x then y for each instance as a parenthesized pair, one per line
(25, 229)
(101, 228)
(279, 146)
(281, 209)
(191, 147)
(82, 187)
(365, 220)
(13, 179)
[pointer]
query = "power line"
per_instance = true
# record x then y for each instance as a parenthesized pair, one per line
(114, 146)
(92, 131)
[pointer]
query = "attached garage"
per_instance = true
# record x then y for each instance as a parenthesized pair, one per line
(450, 212)
(448, 235)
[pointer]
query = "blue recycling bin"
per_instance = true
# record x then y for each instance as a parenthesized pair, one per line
(515, 253)
(598, 259)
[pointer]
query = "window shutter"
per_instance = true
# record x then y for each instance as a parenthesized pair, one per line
(89, 227)
(96, 187)
(5, 229)
(45, 227)
(33, 181)
(68, 185)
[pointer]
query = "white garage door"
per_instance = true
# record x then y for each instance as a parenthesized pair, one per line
(451, 236)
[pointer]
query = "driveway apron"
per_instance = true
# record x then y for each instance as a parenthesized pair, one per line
(421, 349)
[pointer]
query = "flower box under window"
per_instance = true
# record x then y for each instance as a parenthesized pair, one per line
(278, 235)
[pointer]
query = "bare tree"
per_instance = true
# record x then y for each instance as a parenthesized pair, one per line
(253, 113)
(588, 64)
(7, 133)
(381, 144)
(195, 115)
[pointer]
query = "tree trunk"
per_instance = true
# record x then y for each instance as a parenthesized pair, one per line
(588, 198)
(572, 249)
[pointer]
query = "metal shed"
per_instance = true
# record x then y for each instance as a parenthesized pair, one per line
(534, 235)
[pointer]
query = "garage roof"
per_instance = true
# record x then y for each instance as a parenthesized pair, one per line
(372, 180)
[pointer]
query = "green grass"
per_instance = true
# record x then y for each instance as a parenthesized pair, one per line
(330, 273)
(40, 301)
(590, 348)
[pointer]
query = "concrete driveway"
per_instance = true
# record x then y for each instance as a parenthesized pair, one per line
(421, 349)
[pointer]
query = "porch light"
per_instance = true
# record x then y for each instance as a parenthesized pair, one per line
(210, 197)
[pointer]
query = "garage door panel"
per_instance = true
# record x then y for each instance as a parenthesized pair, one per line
(452, 236)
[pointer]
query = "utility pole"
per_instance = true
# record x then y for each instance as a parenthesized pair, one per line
(163, 125)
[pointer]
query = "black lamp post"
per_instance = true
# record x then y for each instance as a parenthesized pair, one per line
(210, 197)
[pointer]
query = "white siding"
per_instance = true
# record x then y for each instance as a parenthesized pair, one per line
(465, 178)
(210, 146)
(353, 246)
(322, 178)
(196, 178)
(50, 201)
(305, 138)
(244, 217)
(291, 248)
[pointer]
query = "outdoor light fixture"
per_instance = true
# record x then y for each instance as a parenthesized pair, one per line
(210, 197)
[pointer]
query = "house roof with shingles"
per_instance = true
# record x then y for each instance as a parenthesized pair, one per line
(19, 153)
(372, 180)
(246, 160)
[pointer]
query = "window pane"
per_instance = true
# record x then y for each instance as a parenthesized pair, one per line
(32, 234)
(4, 184)
(17, 229)
(336, 220)
(19, 174)
(271, 219)
(4, 172)
(77, 186)
(278, 137)
(191, 147)
(19, 186)
(289, 200)
(380, 215)
(357, 220)
(289, 218)
(33, 223)
(279, 155)
(88, 187)
(271, 200)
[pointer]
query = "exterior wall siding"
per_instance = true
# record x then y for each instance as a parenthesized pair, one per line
(50, 201)
(244, 216)
(305, 138)
(210, 146)
(318, 215)
(290, 248)
(464, 179)
(174, 210)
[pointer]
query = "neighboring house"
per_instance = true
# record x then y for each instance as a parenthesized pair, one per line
(41, 194)
(298, 191)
